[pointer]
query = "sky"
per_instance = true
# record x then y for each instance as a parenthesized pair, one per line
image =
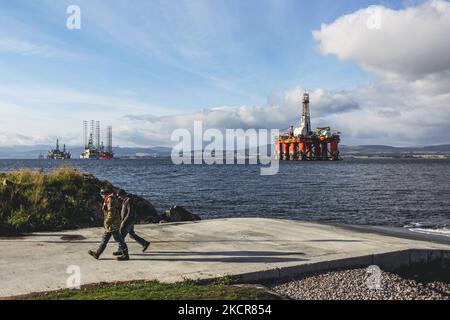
(378, 72)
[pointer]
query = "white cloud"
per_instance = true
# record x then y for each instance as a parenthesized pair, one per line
(410, 102)
(324, 102)
(411, 43)
(151, 130)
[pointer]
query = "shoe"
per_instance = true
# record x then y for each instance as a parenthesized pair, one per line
(117, 253)
(124, 257)
(146, 247)
(94, 254)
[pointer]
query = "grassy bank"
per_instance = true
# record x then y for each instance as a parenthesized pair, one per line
(59, 200)
(154, 290)
(36, 201)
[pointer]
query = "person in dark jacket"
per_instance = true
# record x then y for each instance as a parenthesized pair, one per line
(129, 217)
(111, 214)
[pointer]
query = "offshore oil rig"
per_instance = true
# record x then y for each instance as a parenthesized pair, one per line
(57, 154)
(93, 147)
(302, 144)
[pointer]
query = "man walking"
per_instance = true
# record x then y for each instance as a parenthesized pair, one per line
(129, 216)
(111, 214)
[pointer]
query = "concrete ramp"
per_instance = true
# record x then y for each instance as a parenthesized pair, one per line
(252, 248)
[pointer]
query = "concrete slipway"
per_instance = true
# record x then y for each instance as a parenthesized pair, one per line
(253, 249)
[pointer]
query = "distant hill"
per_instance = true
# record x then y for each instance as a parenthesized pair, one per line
(23, 152)
(381, 149)
(33, 152)
(440, 148)
(128, 152)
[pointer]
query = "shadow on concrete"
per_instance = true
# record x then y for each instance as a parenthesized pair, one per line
(218, 256)
(51, 241)
(154, 241)
(59, 235)
(232, 260)
(218, 259)
(63, 237)
(220, 253)
(254, 240)
(333, 240)
(427, 272)
(72, 239)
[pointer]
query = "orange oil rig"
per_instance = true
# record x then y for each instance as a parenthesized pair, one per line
(302, 144)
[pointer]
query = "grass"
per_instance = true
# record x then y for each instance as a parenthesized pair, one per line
(65, 198)
(155, 290)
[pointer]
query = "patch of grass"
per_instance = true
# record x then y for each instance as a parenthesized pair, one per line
(62, 199)
(155, 290)
(225, 280)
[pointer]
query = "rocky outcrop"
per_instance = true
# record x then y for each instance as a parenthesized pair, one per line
(146, 212)
(64, 199)
(177, 214)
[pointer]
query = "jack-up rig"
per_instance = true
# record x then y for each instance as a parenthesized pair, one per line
(302, 144)
(93, 147)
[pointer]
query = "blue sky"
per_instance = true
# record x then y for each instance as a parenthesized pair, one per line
(160, 58)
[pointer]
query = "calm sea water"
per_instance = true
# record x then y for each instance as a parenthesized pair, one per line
(375, 192)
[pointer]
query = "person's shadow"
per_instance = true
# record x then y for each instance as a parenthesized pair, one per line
(219, 256)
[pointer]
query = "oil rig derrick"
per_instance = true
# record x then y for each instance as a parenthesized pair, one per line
(58, 154)
(302, 144)
(93, 146)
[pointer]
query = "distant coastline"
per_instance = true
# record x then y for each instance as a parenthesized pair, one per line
(355, 152)
(398, 156)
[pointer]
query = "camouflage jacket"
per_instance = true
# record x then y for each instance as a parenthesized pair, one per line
(111, 213)
(129, 213)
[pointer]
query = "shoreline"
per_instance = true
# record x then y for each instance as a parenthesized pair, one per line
(397, 232)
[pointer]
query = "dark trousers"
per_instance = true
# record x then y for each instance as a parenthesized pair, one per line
(128, 229)
(117, 237)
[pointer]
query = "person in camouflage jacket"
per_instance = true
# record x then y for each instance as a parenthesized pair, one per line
(111, 210)
(129, 218)
(111, 213)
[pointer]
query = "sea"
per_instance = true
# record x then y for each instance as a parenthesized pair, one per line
(407, 193)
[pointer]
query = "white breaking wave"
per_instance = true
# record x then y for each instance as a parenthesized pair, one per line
(440, 232)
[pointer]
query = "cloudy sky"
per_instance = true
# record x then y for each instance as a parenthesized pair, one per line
(379, 72)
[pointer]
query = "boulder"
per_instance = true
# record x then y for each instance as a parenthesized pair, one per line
(146, 212)
(177, 214)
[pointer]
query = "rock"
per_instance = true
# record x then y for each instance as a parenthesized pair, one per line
(177, 214)
(146, 212)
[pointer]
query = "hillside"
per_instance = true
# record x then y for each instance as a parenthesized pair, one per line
(33, 152)
(381, 150)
